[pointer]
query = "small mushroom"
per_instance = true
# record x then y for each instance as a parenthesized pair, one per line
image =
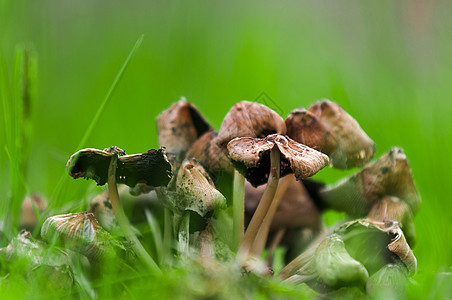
(29, 219)
(389, 175)
(358, 248)
(180, 126)
(261, 160)
(151, 168)
(327, 266)
(376, 244)
(78, 231)
(196, 189)
(326, 127)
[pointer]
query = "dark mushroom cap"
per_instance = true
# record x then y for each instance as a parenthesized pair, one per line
(151, 168)
(251, 157)
(249, 119)
(180, 126)
(326, 127)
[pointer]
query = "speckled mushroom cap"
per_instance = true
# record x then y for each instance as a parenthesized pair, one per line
(180, 126)
(151, 168)
(195, 189)
(251, 157)
(249, 119)
(326, 127)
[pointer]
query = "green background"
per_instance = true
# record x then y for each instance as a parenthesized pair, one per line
(388, 63)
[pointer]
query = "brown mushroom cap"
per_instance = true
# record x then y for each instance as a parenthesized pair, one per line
(208, 153)
(151, 168)
(251, 157)
(389, 175)
(249, 119)
(180, 126)
(326, 127)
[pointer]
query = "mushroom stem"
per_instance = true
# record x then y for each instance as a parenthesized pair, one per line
(167, 236)
(264, 204)
(238, 204)
(275, 242)
(261, 238)
(122, 219)
(183, 233)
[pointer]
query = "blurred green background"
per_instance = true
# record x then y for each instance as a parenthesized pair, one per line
(388, 63)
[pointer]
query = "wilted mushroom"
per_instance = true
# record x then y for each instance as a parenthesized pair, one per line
(262, 160)
(180, 126)
(326, 127)
(389, 175)
(80, 232)
(354, 251)
(151, 168)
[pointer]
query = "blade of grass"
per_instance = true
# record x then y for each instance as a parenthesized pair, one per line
(63, 179)
(17, 111)
(156, 233)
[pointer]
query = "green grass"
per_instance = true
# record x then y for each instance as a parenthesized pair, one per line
(387, 63)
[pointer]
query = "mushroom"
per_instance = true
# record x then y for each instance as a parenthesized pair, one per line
(350, 254)
(389, 175)
(80, 232)
(326, 127)
(151, 168)
(30, 210)
(180, 126)
(261, 160)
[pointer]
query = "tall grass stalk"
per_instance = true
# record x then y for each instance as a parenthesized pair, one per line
(56, 196)
(17, 102)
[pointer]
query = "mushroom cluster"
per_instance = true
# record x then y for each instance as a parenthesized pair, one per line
(227, 195)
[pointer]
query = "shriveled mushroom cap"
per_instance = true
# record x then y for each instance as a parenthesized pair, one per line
(79, 231)
(326, 127)
(251, 157)
(389, 175)
(151, 168)
(249, 119)
(196, 190)
(180, 126)
(366, 239)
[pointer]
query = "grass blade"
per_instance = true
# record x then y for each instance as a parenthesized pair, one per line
(57, 192)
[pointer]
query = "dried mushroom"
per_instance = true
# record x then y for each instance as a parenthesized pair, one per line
(180, 126)
(326, 127)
